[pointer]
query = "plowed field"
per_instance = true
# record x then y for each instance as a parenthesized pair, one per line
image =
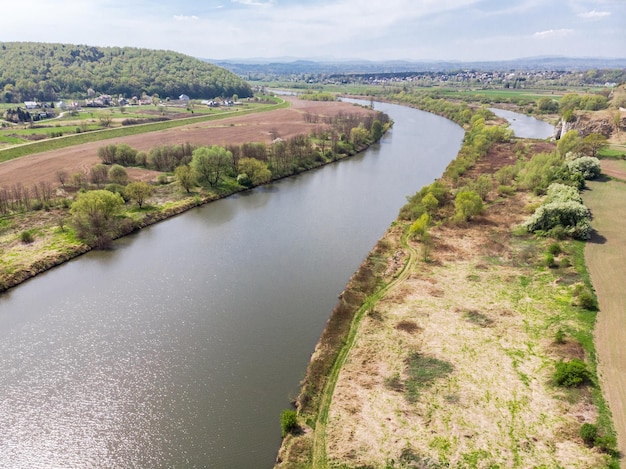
(260, 127)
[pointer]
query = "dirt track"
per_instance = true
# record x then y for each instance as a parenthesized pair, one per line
(260, 127)
(606, 260)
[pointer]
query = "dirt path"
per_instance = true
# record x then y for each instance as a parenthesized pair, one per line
(606, 260)
(259, 127)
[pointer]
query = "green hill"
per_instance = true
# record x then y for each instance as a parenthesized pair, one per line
(45, 72)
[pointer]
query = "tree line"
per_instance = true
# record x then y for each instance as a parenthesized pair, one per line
(46, 72)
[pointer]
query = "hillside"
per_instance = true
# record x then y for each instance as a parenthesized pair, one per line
(46, 72)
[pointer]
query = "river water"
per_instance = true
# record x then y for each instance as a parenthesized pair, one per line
(525, 126)
(181, 345)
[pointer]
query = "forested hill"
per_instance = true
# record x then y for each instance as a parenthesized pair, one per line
(45, 72)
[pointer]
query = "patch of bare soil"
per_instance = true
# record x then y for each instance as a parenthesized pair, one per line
(259, 127)
(605, 257)
(614, 168)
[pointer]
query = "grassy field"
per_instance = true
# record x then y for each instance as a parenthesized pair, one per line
(606, 260)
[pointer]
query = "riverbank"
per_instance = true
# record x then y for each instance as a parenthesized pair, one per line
(451, 363)
(36, 236)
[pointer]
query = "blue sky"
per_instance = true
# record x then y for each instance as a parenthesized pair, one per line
(340, 29)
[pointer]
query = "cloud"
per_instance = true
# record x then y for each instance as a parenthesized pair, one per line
(594, 14)
(255, 3)
(551, 33)
(186, 18)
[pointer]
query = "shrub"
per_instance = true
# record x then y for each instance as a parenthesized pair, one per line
(27, 237)
(587, 300)
(572, 216)
(506, 174)
(561, 193)
(588, 432)
(467, 204)
(420, 226)
(588, 166)
(572, 373)
(506, 190)
(288, 422)
(118, 174)
(554, 249)
(559, 337)
(548, 260)
(606, 443)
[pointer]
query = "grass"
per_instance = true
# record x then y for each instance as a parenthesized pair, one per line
(614, 151)
(422, 371)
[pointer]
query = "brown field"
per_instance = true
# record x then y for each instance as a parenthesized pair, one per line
(606, 260)
(260, 127)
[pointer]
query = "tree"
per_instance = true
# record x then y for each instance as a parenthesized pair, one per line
(256, 171)
(548, 105)
(107, 153)
(430, 202)
(93, 216)
(138, 191)
(467, 205)
(118, 174)
(98, 174)
(571, 141)
(358, 135)
(186, 177)
(62, 177)
(593, 142)
(377, 130)
(210, 163)
(125, 155)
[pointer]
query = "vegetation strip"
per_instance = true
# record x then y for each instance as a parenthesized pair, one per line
(319, 444)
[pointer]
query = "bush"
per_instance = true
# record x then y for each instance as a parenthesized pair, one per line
(548, 260)
(506, 190)
(118, 174)
(554, 249)
(561, 193)
(559, 337)
(589, 433)
(587, 166)
(572, 373)
(420, 226)
(587, 300)
(288, 422)
(26, 237)
(467, 204)
(606, 443)
(574, 217)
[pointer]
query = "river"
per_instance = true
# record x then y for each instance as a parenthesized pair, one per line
(181, 345)
(524, 126)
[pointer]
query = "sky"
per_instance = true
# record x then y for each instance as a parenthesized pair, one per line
(464, 30)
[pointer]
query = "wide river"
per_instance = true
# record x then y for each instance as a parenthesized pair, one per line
(181, 346)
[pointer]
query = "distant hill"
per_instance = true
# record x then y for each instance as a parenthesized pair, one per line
(293, 66)
(45, 72)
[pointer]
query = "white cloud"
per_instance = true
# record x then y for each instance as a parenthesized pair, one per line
(593, 14)
(551, 33)
(255, 3)
(186, 18)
